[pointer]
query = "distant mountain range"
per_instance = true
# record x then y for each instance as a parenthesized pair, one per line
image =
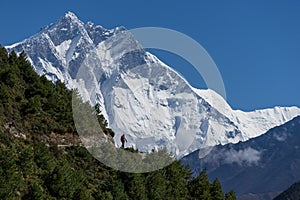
(139, 95)
(259, 168)
(292, 193)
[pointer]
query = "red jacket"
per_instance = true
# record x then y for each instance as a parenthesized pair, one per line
(123, 139)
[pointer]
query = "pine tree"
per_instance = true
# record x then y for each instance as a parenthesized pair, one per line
(230, 195)
(177, 176)
(216, 190)
(136, 187)
(116, 188)
(61, 183)
(199, 187)
(36, 192)
(11, 179)
(157, 185)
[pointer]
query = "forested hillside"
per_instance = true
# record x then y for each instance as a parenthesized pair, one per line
(33, 165)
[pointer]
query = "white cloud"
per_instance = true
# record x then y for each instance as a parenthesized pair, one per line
(249, 156)
(280, 136)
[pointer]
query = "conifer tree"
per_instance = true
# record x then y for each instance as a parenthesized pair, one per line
(199, 187)
(230, 195)
(157, 185)
(136, 188)
(216, 190)
(177, 176)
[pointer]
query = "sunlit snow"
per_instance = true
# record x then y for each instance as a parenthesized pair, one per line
(139, 95)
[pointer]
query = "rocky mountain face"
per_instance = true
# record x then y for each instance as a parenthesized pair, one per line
(139, 95)
(259, 168)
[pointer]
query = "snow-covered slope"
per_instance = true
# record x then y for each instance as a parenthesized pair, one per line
(139, 95)
(253, 123)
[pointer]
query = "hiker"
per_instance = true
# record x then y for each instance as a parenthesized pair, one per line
(123, 140)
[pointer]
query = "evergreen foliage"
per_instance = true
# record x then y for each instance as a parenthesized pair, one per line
(32, 102)
(216, 190)
(230, 195)
(200, 187)
(32, 169)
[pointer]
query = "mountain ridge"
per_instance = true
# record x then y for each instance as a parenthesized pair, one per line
(138, 94)
(292, 193)
(261, 167)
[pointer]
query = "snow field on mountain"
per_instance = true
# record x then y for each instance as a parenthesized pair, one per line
(138, 94)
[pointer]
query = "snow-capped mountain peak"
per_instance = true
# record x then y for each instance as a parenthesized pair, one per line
(140, 95)
(71, 15)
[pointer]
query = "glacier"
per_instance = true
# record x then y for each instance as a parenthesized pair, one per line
(139, 95)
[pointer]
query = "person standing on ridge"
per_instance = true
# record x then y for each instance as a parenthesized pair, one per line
(123, 140)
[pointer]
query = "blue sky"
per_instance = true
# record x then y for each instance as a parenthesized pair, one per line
(255, 44)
